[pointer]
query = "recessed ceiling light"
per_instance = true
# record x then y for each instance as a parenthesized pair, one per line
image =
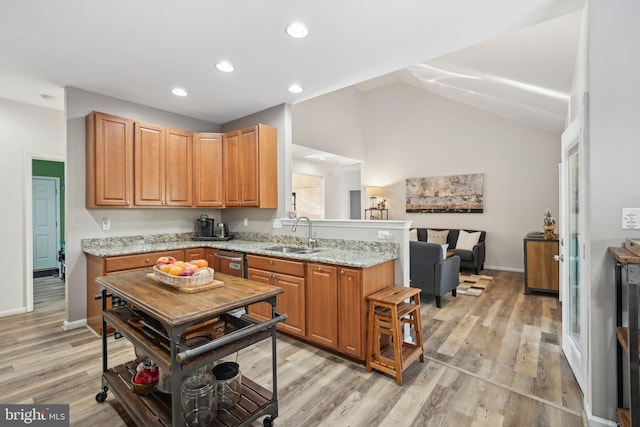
(179, 92)
(224, 66)
(295, 88)
(297, 30)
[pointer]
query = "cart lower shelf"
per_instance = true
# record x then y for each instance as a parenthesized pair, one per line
(154, 409)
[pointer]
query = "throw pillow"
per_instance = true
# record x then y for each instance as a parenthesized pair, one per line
(439, 237)
(413, 235)
(467, 241)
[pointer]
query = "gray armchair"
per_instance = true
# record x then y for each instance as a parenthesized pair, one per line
(430, 272)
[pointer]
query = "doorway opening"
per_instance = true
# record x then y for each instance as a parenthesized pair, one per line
(45, 232)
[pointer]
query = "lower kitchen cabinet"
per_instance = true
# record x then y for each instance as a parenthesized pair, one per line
(337, 306)
(285, 274)
(194, 253)
(104, 266)
(322, 305)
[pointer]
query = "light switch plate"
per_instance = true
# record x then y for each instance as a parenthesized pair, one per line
(630, 218)
(277, 223)
(106, 224)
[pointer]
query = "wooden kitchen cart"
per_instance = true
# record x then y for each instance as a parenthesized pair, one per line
(627, 336)
(165, 314)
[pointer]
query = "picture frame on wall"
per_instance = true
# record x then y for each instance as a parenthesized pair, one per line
(445, 194)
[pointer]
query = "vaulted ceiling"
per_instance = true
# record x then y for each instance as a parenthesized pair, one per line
(512, 58)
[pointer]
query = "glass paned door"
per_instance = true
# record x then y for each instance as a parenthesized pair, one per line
(572, 238)
(573, 241)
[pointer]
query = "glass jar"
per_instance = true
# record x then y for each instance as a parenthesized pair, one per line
(198, 400)
(228, 384)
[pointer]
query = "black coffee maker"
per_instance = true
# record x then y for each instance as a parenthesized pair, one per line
(204, 226)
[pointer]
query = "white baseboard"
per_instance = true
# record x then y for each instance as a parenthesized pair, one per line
(6, 313)
(515, 270)
(592, 420)
(67, 326)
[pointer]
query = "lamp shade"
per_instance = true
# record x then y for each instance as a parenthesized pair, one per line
(374, 191)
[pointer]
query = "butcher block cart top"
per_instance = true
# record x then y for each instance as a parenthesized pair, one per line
(154, 316)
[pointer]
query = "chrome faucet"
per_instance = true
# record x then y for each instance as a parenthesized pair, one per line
(311, 241)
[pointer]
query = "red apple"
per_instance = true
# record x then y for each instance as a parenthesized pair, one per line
(187, 272)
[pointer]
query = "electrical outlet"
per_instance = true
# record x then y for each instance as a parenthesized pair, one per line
(383, 234)
(106, 224)
(246, 222)
(277, 223)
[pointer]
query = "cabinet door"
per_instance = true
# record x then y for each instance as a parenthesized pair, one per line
(261, 310)
(350, 316)
(542, 270)
(207, 161)
(322, 305)
(249, 167)
(231, 150)
(109, 161)
(149, 146)
(208, 255)
(291, 303)
(179, 168)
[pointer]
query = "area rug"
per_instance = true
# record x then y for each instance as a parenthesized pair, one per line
(472, 284)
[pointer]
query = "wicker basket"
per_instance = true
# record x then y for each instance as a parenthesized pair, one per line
(200, 277)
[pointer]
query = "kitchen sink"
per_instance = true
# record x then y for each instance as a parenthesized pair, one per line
(291, 249)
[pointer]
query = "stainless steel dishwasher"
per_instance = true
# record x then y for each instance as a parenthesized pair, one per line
(228, 262)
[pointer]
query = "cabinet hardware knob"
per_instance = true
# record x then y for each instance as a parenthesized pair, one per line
(342, 272)
(559, 258)
(146, 260)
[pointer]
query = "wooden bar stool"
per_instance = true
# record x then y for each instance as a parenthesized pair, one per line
(388, 313)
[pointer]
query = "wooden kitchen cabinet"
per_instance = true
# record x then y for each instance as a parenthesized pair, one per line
(251, 167)
(109, 161)
(103, 266)
(163, 166)
(541, 270)
(194, 253)
(207, 169)
(285, 274)
(337, 306)
(322, 305)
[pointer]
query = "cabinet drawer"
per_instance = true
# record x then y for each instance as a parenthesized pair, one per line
(194, 253)
(129, 262)
(276, 265)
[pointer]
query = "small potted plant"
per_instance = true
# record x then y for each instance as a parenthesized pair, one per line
(382, 204)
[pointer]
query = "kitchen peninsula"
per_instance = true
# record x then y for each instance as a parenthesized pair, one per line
(324, 291)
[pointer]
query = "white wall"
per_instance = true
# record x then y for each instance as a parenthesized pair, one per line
(83, 223)
(337, 184)
(614, 154)
(25, 131)
(411, 133)
(337, 129)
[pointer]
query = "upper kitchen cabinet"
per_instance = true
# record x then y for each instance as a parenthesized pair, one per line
(251, 167)
(207, 169)
(109, 155)
(163, 166)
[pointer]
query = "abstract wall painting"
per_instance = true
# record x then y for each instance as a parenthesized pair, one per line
(449, 194)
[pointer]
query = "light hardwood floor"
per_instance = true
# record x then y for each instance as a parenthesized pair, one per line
(490, 361)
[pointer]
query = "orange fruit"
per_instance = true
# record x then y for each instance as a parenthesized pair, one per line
(175, 270)
(200, 263)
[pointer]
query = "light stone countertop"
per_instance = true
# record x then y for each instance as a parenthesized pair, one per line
(338, 252)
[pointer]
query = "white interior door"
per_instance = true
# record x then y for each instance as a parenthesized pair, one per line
(46, 234)
(573, 236)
